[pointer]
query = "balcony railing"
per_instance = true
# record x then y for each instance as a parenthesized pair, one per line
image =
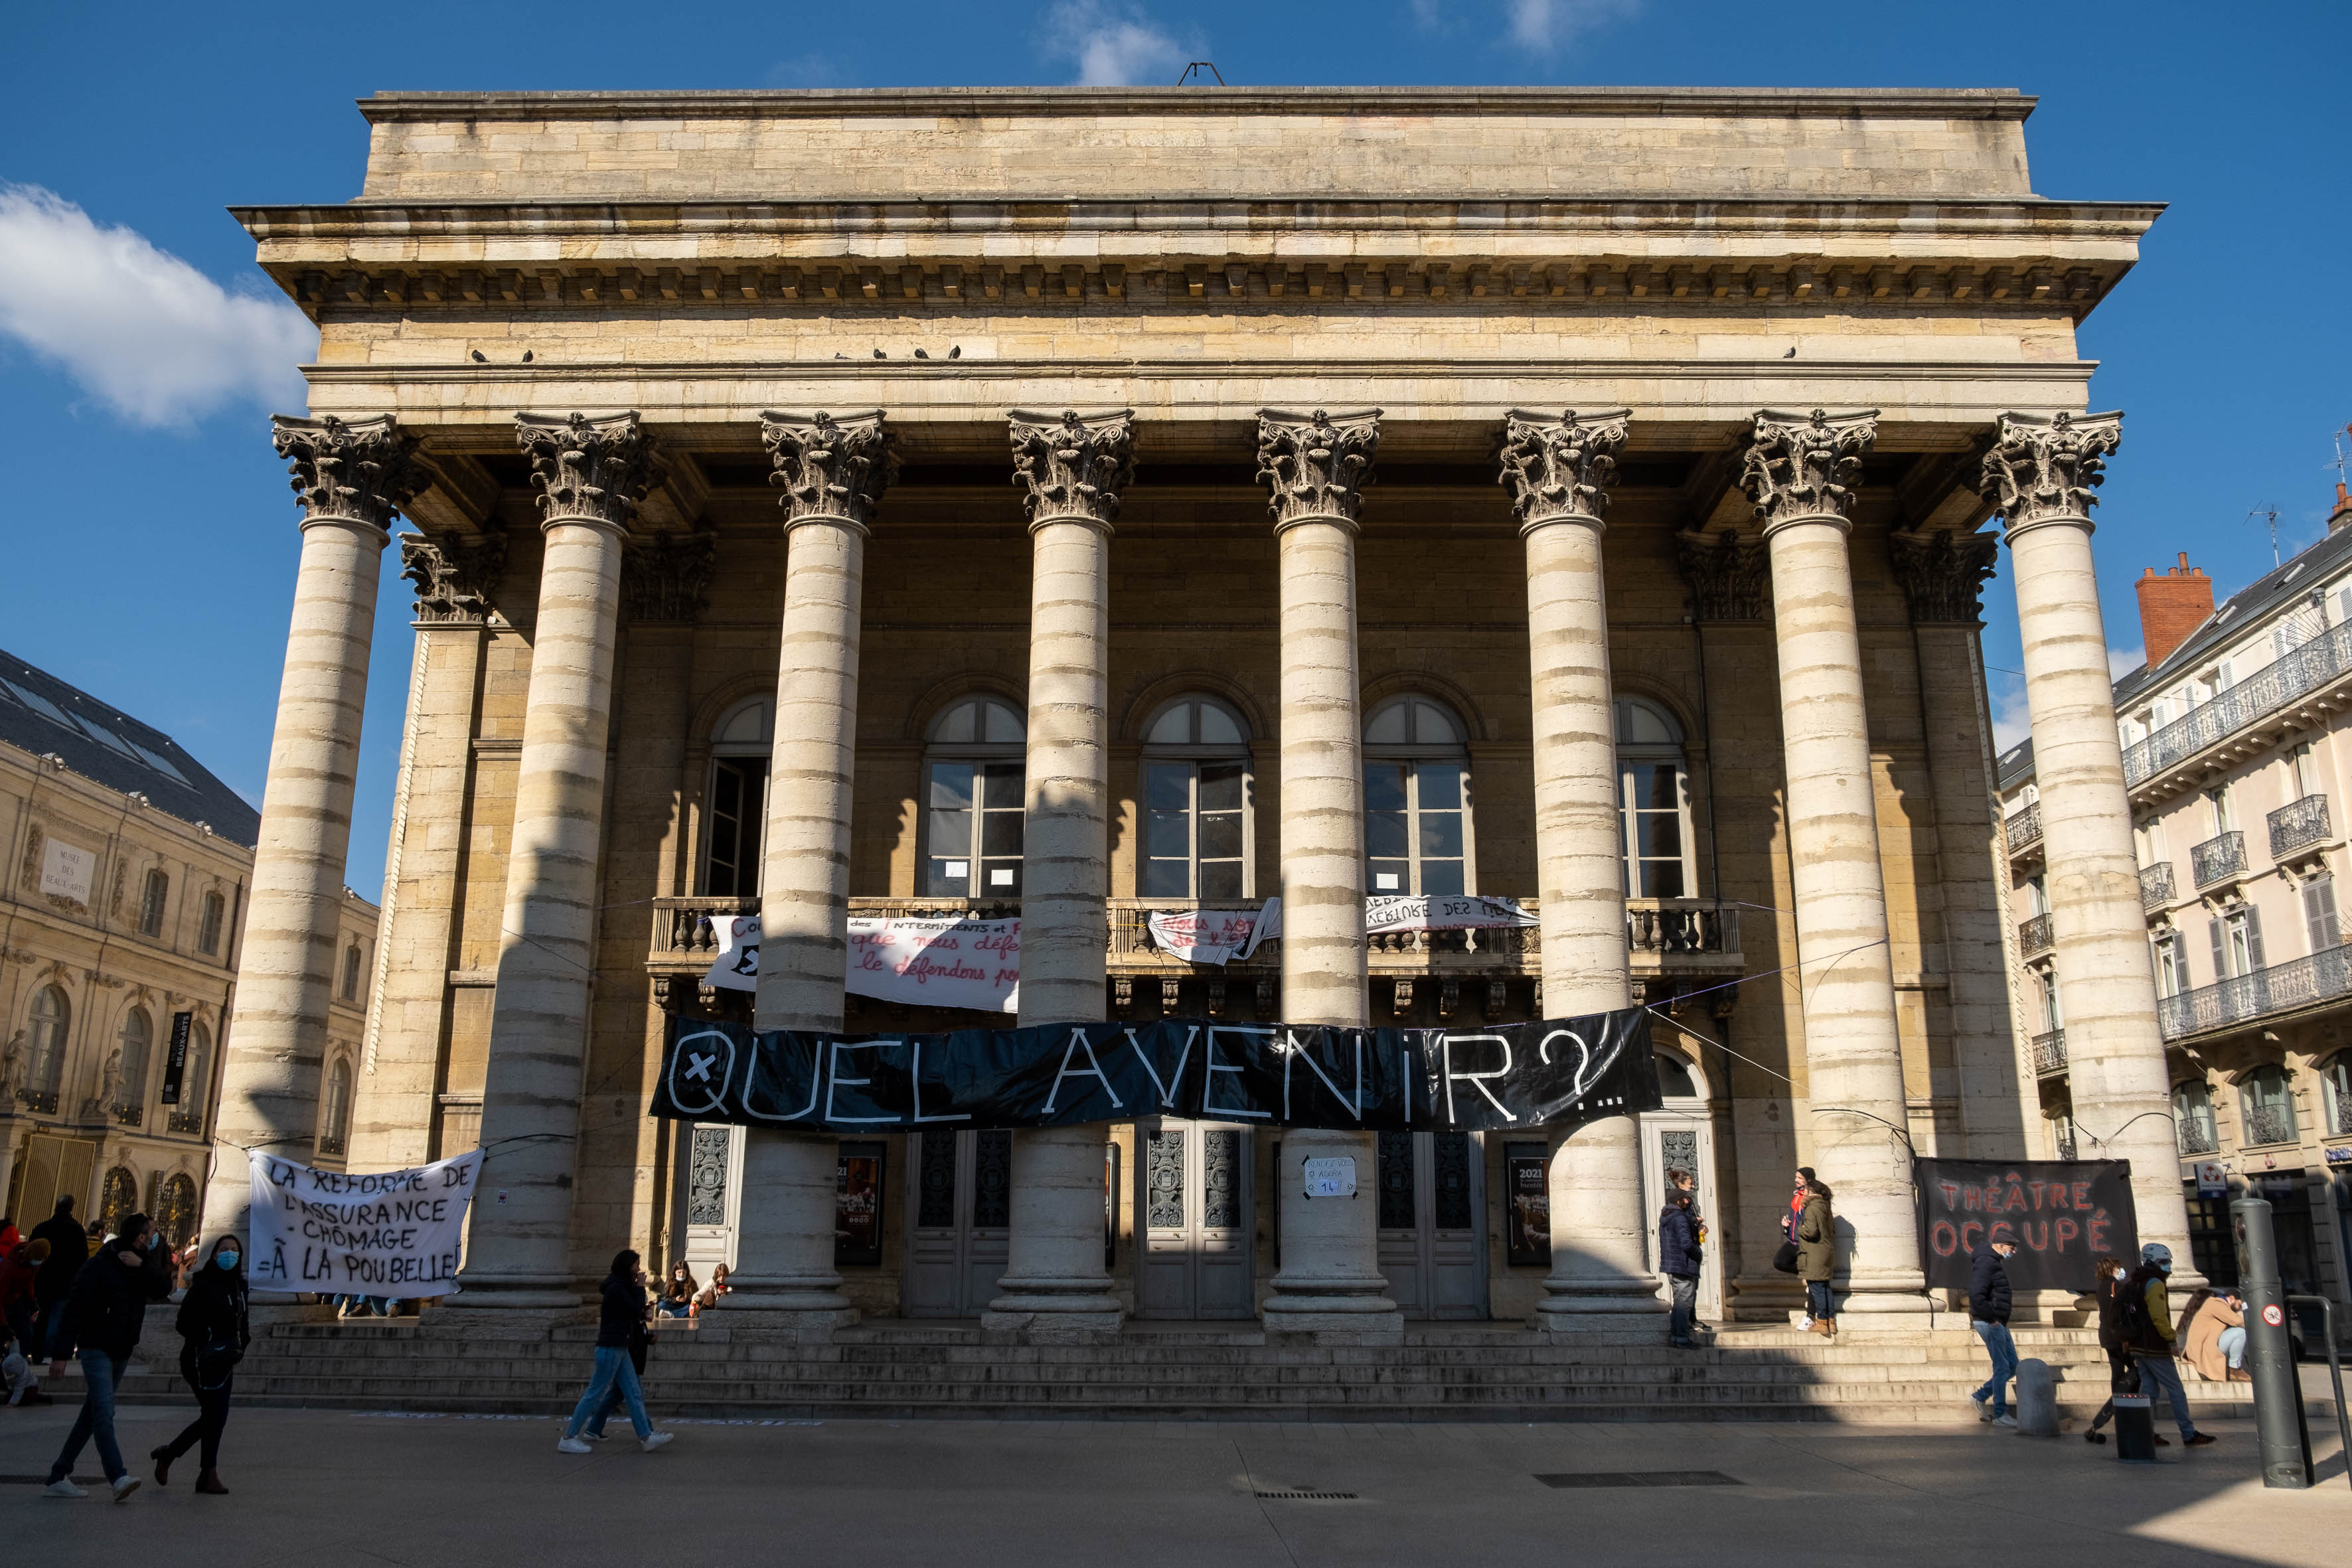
(2268, 1124)
(184, 1121)
(2297, 826)
(2065, 1142)
(2261, 694)
(2025, 828)
(2219, 858)
(130, 1115)
(2339, 1115)
(39, 1101)
(2050, 1052)
(2033, 935)
(2197, 1137)
(2155, 885)
(2281, 988)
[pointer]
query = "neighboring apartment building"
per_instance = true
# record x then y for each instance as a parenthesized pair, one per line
(2237, 757)
(121, 917)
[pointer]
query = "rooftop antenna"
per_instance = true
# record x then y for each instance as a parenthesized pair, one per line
(2270, 514)
(1192, 71)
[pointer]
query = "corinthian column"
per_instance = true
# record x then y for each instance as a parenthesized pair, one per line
(1330, 1284)
(1797, 471)
(351, 479)
(833, 473)
(591, 474)
(1558, 470)
(1072, 470)
(2040, 474)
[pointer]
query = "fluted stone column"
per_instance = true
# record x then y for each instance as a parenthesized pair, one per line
(2039, 473)
(833, 473)
(1073, 471)
(353, 477)
(1330, 1284)
(591, 474)
(1797, 471)
(1557, 470)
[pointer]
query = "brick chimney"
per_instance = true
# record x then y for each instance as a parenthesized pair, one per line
(2342, 516)
(2171, 607)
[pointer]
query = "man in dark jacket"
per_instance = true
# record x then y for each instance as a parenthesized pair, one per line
(103, 1315)
(17, 1272)
(1989, 1316)
(69, 1250)
(1678, 1260)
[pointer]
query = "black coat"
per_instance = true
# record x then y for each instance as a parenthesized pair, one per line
(2110, 1293)
(107, 1308)
(620, 1315)
(1678, 1248)
(1987, 1286)
(213, 1312)
(69, 1250)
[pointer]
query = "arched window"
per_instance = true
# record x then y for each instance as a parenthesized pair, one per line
(208, 928)
(151, 904)
(2192, 1118)
(1654, 802)
(52, 1016)
(195, 1078)
(1416, 800)
(741, 745)
(335, 1119)
(2335, 1084)
(137, 1038)
(351, 986)
(974, 772)
(118, 1199)
(2267, 1107)
(1196, 829)
(1676, 1080)
(175, 1210)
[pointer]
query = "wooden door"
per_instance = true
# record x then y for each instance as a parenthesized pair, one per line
(1193, 1200)
(959, 1223)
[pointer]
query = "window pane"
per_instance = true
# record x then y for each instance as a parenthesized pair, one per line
(1167, 879)
(1000, 834)
(1432, 725)
(1661, 836)
(1217, 727)
(952, 785)
(1001, 880)
(1656, 785)
(1441, 786)
(1221, 835)
(1384, 835)
(959, 724)
(1441, 834)
(1221, 786)
(1221, 879)
(1441, 878)
(1168, 834)
(1389, 877)
(1002, 785)
(1387, 727)
(1175, 726)
(1383, 787)
(1662, 879)
(1167, 786)
(947, 879)
(1004, 724)
(950, 832)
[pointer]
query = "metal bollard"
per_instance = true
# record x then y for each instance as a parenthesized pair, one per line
(2279, 1425)
(2037, 1399)
(2334, 1372)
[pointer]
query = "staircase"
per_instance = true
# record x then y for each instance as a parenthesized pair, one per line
(1921, 1372)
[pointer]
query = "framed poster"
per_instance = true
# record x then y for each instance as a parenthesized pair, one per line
(1529, 1238)
(857, 1204)
(175, 1064)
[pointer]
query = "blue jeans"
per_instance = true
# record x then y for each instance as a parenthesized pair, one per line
(1818, 1300)
(2232, 1344)
(2003, 1351)
(2157, 1374)
(613, 1373)
(100, 1374)
(1686, 1307)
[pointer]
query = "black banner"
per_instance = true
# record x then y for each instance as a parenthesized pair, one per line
(175, 1064)
(1507, 1076)
(2062, 1213)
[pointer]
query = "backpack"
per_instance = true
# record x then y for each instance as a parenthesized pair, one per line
(2134, 1329)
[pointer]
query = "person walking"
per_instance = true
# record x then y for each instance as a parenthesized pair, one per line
(1678, 1260)
(641, 1341)
(2122, 1376)
(622, 1308)
(18, 1270)
(214, 1334)
(2144, 1318)
(101, 1319)
(1816, 1238)
(69, 1250)
(1988, 1304)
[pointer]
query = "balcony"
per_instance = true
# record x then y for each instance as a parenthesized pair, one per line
(2155, 885)
(2298, 825)
(2281, 988)
(2065, 1142)
(2024, 828)
(2197, 1137)
(39, 1101)
(2033, 935)
(130, 1115)
(184, 1121)
(2314, 665)
(2050, 1052)
(2339, 1115)
(2219, 858)
(2268, 1124)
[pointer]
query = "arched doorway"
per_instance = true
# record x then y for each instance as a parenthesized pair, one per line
(1681, 1136)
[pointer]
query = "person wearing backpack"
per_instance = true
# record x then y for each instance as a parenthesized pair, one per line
(2144, 1323)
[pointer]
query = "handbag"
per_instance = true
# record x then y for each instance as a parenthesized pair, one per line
(1785, 1260)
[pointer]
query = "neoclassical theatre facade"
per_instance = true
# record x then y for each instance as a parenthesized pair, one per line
(1081, 504)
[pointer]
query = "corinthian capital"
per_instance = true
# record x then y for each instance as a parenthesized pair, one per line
(454, 581)
(360, 471)
(828, 467)
(1562, 467)
(1729, 575)
(667, 576)
(2043, 468)
(1798, 466)
(1073, 468)
(1318, 464)
(1943, 574)
(594, 470)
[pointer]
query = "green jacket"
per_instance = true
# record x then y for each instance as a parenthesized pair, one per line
(1816, 1239)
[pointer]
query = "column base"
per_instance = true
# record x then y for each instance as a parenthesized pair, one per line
(525, 1296)
(1896, 1294)
(1332, 1316)
(1051, 1311)
(1569, 1306)
(1057, 1327)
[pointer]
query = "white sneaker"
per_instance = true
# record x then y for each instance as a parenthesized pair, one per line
(2004, 1420)
(595, 1436)
(654, 1440)
(125, 1486)
(572, 1446)
(62, 1489)
(1984, 1410)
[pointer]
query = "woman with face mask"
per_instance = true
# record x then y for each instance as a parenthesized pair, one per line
(214, 1334)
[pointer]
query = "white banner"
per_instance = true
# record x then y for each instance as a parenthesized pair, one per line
(936, 963)
(395, 1234)
(1216, 936)
(736, 967)
(1459, 912)
(66, 872)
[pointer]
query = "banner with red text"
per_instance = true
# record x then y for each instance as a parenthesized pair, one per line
(942, 962)
(2062, 1213)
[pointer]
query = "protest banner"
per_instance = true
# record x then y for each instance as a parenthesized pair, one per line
(1442, 913)
(395, 1234)
(2062, 1213)
(736, 967)
(942, 962)
(1215, 936)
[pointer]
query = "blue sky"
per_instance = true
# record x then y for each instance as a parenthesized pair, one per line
(147, 538)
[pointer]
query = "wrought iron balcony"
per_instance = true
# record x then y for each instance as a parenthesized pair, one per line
(2033, 935)
(2268, 1124)
(2281, 988)
(2261, 694)
(2219, 858)
(2339, 1115)
(2297, 826)
(2197, 1137)
(184, 1121)
(2065, 1145)
(130, 1115)
(2024, 828)
(2050, 1052)
(2155, 885)
(331, 1146)
(39, 1101)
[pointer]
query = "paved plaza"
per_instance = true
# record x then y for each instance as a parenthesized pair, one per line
(319, 1488)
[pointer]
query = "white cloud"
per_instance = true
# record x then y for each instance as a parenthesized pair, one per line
(1546, 24)
(148, 334)
(2011, 722)
(2122, 661)
(1113, 47)
(807, 70)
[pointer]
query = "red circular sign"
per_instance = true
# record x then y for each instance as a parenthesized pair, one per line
(2273, 1316)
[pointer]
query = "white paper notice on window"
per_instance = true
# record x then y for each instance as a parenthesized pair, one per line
(66, 872)
(1385, 881)
(1000, 876)
(1333, 1178)
(958, 869)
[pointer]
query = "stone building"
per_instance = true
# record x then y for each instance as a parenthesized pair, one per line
(130, 869)
(2235, 753)
(843, 503)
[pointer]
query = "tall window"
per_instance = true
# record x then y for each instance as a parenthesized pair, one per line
(1416, 800)
(151, 904)
(2305, 764)
(208, 927)
(2217, 801)
(137, 1039)
(974, 772)
(2267, 1106)
(52, 1016)
(1654, 802)
(195, 1075)
(2237, 939)
(2192, 1115)
(1196, 829)
(335, 1121)
(2171, 966)
(2053, 1019)
(350, 987)
(740, 745)
(2335, 1086)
